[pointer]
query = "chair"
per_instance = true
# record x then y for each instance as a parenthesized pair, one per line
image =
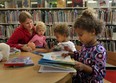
(111, 71)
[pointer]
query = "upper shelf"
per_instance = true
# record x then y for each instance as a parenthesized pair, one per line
(53, 8)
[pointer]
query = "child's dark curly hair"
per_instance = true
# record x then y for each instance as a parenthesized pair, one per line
(88, 21)
(61, 28)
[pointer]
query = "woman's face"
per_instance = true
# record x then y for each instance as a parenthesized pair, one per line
(28, 24)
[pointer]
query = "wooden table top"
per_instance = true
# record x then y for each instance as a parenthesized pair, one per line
(30, 74)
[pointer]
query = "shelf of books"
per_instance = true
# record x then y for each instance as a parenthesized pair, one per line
(54, 14)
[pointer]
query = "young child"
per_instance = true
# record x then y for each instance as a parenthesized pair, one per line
(39, 39)
(91, 60)
(61, 32)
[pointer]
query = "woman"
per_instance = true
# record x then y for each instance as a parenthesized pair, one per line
(23, 33)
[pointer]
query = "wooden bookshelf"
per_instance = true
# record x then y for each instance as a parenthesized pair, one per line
(50, 15)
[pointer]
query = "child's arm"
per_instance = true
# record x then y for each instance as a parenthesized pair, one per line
(82, 67)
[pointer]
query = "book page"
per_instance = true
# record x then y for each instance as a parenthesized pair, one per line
(57, 56)
(53, 69)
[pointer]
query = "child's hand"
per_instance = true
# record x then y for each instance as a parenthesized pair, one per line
(67, 48)
(79, 66)
(32, 45)
(65, 55)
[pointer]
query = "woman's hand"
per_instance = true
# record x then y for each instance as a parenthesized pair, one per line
(26, 48)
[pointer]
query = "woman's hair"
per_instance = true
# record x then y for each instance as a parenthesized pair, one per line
(61, 28)
(23, 16)
(40, 25)
(89, 21)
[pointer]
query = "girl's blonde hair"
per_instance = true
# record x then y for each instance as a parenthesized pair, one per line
(40, 25)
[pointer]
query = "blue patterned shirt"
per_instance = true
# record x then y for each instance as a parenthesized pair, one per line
(95, 57)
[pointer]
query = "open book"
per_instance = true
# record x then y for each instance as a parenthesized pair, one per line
(54, 61)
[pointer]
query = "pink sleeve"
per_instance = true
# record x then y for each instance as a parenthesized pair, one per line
(33, 39)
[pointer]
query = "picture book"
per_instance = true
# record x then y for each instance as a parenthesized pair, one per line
(55, 60)
(14, 51)
(19, 62)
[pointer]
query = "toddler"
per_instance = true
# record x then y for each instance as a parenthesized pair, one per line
(61, 32)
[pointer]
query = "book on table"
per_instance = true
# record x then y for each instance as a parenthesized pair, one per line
(54, 61)
(19, 61)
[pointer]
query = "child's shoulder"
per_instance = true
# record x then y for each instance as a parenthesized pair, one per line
(100, 48)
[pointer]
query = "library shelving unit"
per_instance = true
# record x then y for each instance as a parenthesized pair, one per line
(9, 21)
(50, 16)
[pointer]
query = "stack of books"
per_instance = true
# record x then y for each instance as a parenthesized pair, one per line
(54, 62)
(14, 51)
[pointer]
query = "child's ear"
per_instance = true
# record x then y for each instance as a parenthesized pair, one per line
(64, 35)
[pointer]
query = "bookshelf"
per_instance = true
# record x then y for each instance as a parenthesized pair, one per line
(50, 15)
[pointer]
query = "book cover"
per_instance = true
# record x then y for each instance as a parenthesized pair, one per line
(103, 3)
(54, 59)
(19, 62)
(26, 3)
(77, 3)
(40, 3)
(19, 4)
(113, 2)
(61, 3)
(14, 51)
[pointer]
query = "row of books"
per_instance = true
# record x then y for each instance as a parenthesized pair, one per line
(55, 3)
(50, 16)
(17, 4)
(109, 32)
(107, 15)
(42, 3)
(39, 15)
(109, 45)
(53, 42)
(113, 2)
(6, 31)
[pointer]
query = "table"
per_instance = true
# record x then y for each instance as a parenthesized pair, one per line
(30, 74)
